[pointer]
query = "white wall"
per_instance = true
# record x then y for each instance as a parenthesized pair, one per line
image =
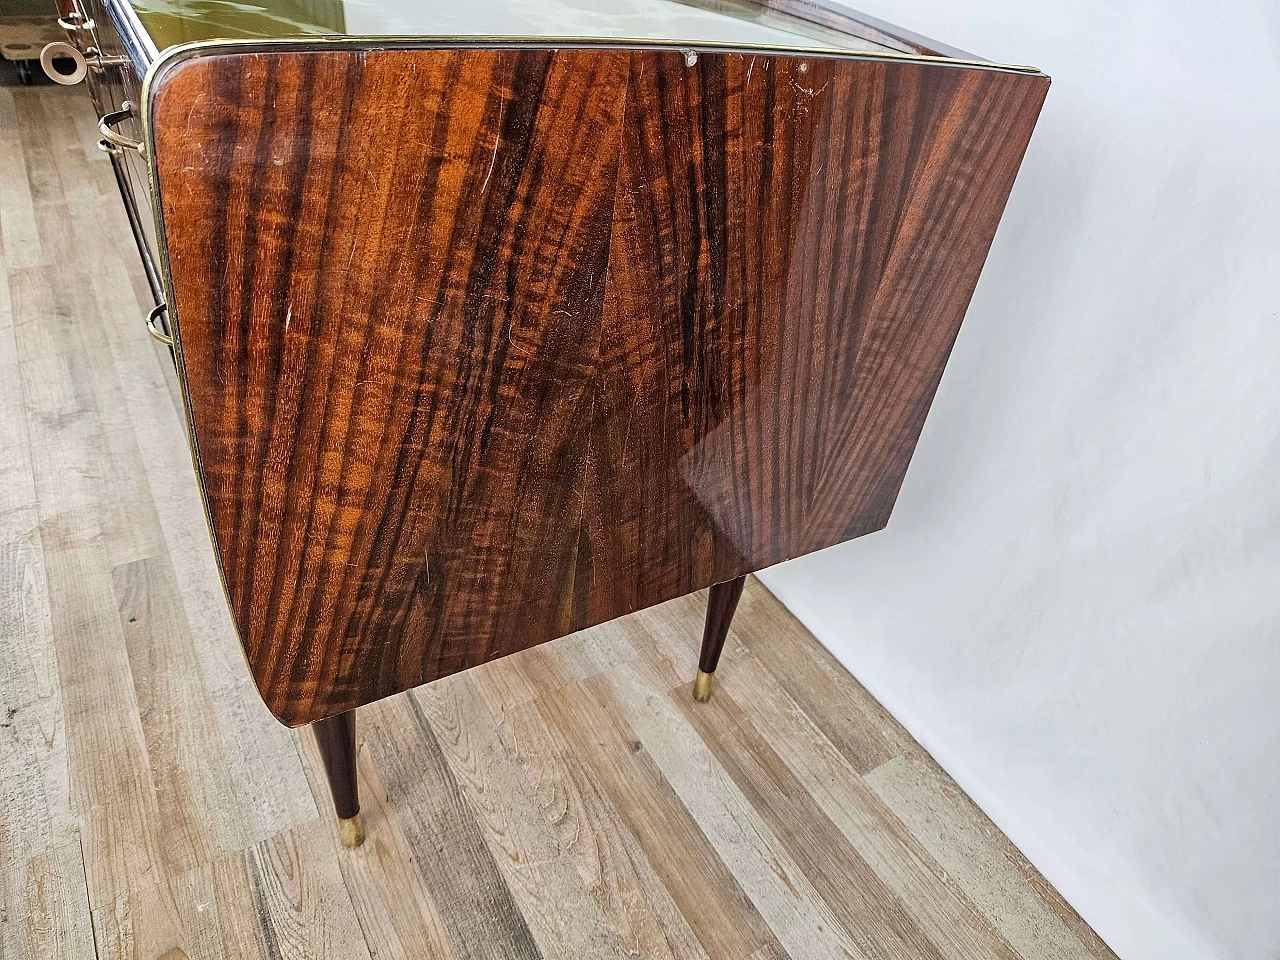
(1076, 605)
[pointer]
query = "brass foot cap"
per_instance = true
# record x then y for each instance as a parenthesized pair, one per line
(351, 831)
(702, 687)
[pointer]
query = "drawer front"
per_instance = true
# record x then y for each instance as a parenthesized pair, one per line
(113, 83)
(111, 87)
(89, 30)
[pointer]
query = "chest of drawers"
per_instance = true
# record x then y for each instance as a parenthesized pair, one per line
(498, 325)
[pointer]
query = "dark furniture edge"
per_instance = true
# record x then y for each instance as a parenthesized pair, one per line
(133, 36)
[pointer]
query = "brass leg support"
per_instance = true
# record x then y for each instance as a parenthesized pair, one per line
(702, 686)
(351, 831)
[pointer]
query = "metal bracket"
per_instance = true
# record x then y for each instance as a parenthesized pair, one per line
(153, 325)
(110, 136)
(75, 21)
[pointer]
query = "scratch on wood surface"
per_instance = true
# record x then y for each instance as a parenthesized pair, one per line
(497, 139)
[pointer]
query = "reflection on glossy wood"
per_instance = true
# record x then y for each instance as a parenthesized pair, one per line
(486, 346)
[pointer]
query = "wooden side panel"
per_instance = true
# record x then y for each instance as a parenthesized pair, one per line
(483, 347)
(794, 247)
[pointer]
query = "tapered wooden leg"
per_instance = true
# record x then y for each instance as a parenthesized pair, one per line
(336, 737)
(720, 606)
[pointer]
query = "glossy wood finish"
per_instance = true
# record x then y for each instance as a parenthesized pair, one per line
(486, 346)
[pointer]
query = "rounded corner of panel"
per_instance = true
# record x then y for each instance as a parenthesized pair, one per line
(169, 63)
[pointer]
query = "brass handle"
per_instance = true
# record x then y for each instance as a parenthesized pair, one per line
(63, 51)
(115, 139)
(153, 326)
(75, 21)
(98, 60)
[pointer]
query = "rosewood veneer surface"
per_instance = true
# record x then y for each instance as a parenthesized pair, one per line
(485, 346)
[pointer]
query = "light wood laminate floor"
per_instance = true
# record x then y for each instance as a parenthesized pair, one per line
(571, 801)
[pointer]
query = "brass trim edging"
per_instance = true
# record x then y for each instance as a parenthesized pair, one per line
(184, 51)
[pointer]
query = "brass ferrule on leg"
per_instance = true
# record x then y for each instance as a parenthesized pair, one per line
(351, 830)
(702, 687)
